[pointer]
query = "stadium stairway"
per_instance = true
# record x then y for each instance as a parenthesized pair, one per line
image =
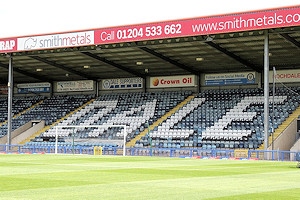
(282, 127)
(132, 142)
(36, 134)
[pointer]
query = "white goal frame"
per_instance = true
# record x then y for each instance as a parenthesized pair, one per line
(91, 126)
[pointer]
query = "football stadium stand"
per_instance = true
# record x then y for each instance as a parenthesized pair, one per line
(211, 119)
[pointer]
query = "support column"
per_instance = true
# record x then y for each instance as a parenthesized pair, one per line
(266, 91)
(10, 96)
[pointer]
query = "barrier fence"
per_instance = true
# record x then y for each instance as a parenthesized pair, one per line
(162, 152)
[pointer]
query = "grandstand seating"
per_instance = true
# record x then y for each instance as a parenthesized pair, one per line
(134, 110)
(50, 109)
(228, 118)
(19, 104)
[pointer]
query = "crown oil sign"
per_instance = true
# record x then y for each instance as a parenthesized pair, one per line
(172, 81)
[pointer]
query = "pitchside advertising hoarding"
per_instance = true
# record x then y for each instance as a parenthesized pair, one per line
(285, 76)
(173, 81)
(26, 88)
(255, 20)
(122, 83)
(241, 78)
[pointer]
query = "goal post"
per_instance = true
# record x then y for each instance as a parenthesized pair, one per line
(58, 128)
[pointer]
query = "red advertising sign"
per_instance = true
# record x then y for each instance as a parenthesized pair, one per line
(283, 17)
(8, 45)
(256, 20)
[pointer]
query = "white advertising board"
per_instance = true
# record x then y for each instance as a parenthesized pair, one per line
(285, 76)
(122, 83)
(68, 86)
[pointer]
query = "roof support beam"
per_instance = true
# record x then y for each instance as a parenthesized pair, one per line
(235, 57)
(41, 78)
(177, 64)
(63, 67)
(114, 64)
(290, 39)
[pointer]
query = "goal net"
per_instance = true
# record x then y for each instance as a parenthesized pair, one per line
(91, 136)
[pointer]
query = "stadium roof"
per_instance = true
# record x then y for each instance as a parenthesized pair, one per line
(205, 52)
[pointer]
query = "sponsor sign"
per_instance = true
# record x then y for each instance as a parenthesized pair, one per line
(3, 89)
(230, 78)
(68, 86)
(25, 88)
(241, 153)
(122, 83)
(172, 81)
(56, 41)
(33, 90)
(8, 45)
(236, 22)
(285, 76)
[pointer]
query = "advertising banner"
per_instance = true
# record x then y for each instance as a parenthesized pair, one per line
(172, 81)
(122, 83)
(236, 22)
(56, 41)
(25, 88)
(241, 78)
(3, 89)
(68, 86)
(8, 45)
(285, 76)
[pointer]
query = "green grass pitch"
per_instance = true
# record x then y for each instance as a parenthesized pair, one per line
(63, 177)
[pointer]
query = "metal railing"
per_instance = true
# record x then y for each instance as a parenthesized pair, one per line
(162, 152)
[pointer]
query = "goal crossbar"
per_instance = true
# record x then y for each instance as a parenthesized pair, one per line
(91, 126)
